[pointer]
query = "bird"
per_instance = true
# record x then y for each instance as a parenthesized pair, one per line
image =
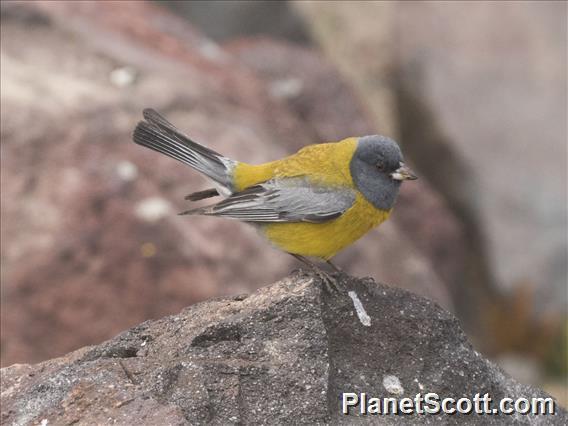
(311, 204)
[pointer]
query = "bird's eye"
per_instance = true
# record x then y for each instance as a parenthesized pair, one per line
(381, 166)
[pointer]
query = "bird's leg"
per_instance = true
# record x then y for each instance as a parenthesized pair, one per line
(334, 267)
(329, 281)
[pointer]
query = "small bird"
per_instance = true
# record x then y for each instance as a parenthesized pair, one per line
(311, 204)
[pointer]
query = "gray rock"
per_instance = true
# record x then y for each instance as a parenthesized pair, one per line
(282, 355)
(226, 19)
(476, 94)
(493, 76)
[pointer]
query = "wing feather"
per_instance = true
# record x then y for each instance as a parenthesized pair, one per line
(283, 200)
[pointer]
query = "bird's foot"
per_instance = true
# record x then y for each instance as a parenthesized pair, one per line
(330, 282)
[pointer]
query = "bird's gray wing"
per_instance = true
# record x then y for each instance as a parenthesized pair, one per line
(283, 200)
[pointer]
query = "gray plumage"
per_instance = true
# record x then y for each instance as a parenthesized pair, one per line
(201, 195)
(160, 135)
(375, 158)
(283, 200)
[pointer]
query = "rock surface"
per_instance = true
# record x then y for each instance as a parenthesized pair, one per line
(91, 243)
(499, 97)
(480, 90)
(281, 355)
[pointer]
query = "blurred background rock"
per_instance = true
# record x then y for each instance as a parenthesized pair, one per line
(475, 92)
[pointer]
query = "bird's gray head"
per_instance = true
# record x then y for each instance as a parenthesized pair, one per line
(378, 169)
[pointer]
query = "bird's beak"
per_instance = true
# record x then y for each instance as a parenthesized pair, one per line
(403, 173)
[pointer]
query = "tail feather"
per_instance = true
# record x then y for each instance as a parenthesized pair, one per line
(153, 117)
(160, 135)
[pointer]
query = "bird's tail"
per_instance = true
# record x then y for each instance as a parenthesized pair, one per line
(160, 135)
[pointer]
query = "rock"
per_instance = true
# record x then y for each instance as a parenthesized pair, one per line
(89, 218)
(225, 20)
(287, 351)
(473, 97)
(308, 83)
(480, 101)
(359, 42)
(91, 243)
(487, 89)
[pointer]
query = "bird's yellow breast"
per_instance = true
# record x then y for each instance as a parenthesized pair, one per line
(325, 240)
(324, 164)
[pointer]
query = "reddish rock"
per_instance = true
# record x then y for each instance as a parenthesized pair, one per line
(91, 242)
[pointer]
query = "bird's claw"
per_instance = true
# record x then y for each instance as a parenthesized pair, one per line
(330, 283)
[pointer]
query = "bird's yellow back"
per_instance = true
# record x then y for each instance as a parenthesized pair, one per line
(326, 164)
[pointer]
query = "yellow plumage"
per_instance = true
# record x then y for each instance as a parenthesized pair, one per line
(324, 164)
